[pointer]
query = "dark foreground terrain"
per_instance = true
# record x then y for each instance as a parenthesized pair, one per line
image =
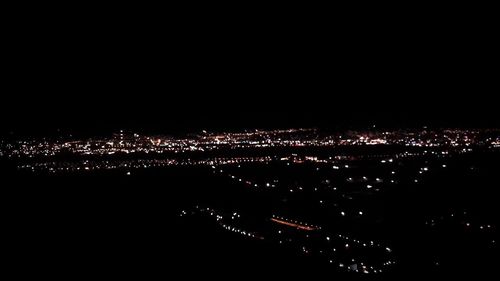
(108, 223)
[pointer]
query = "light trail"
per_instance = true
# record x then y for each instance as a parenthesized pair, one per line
(298, 226)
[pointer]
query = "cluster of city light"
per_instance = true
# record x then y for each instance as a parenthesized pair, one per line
(102, 164)
(241, 180)
(123, 143)
(337, 249)
(354, 186)
(394, 171)
(223, 220)
(467, 222)
(333, 245)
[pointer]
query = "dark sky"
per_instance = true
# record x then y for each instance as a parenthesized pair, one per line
(89, 72)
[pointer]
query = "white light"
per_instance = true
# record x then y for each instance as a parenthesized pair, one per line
(369, 186)
(360, 212)
(444, 166)
(342, 213)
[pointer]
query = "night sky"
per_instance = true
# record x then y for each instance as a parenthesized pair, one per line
(151, 73)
